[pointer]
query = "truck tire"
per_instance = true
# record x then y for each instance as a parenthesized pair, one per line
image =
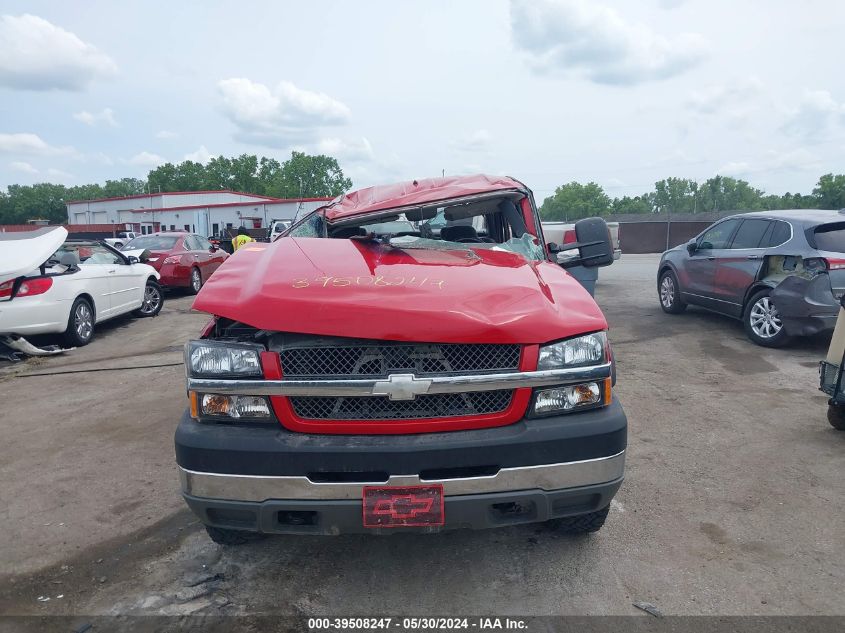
(224, 536)
(836, 416)
(762, 322)
(153, 300)
(80, 323)
(581, 524)
(669, 293)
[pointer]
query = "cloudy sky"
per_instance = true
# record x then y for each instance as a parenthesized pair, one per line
(548, 91)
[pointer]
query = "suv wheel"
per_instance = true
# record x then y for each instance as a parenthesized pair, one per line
(762, 321)
(80, 323)
(670, 293)
(581, 524)
(224, 536)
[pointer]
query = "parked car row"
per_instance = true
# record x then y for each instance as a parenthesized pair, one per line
(51, 285)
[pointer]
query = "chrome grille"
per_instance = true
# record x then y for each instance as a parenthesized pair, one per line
(383, 408)
(382, 358)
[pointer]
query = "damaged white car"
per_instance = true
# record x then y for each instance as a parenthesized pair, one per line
(52, 286)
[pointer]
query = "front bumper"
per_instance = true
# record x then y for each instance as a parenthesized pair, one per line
(274, 480)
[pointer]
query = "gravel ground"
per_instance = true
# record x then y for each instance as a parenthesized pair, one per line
(731, 503)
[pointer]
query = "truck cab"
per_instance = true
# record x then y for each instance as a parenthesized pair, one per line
(351, 380)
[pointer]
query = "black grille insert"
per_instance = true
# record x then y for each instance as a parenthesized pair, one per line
(383, 408)
(382, 358)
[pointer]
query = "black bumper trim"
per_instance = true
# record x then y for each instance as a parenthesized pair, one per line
(345, 516)
(229, 449)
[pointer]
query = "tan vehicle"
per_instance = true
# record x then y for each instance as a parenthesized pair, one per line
(830, 374)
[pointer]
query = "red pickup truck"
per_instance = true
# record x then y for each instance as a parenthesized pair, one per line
(364, 373)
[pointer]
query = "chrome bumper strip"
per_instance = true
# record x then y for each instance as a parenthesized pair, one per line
(376, 387)
(543, 477)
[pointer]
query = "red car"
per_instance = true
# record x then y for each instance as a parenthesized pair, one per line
(184, 260)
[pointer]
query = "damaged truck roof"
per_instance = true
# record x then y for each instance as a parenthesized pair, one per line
(414, 193)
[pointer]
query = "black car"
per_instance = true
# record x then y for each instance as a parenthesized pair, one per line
(781, 272)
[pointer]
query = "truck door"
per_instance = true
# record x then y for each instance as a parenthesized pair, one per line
(738, 265)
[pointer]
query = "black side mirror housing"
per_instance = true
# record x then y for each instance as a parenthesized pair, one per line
(134, 260)
(593, 244)
(691, 247)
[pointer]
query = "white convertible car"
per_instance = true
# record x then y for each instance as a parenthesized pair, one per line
(50, 285)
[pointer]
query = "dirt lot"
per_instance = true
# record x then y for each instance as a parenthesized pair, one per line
(732, 503)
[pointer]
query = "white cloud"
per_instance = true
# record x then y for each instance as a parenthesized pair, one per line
(477, 141)
(58, 174)
(201, 155)
(19, 165)
(105, 116)
(817, 113)
(146, 159)
(734, 169)
(577, 37)
(38, 55)
(280, 117)
(31, 144)
(346, 150)
(166, 135)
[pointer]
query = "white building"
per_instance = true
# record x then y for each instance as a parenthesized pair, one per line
(203, 212)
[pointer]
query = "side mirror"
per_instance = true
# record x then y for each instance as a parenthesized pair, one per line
(593, 243)
(134, 260)
(691, 247)
(212, 249)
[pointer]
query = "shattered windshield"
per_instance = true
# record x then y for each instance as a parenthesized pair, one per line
(528, 246)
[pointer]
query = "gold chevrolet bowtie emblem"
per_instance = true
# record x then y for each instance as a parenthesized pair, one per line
(401, 387)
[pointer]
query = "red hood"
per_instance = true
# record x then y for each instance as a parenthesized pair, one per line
(367, 290)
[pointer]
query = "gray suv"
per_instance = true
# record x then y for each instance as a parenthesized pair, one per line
(781, 272)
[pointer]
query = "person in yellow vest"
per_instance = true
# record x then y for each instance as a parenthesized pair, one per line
(240, 239)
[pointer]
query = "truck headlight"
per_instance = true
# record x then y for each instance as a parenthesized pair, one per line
(221, 358)
(581, 351)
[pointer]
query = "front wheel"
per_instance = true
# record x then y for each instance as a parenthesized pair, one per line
(153, 300)
(762, 321)
(670, 293)
(836, 416)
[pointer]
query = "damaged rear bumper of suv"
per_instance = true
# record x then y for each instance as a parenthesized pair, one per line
(806, 306)
(277, 481)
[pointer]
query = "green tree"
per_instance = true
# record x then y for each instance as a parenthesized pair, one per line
(29, 202)
(309, 177)
(636, 204)
(722, 193)
(573, 201)
(675, 195)
(830, 192)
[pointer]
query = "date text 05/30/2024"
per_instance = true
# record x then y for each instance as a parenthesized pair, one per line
(416, 624)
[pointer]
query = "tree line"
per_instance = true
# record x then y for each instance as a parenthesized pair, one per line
(575, 200)
(301, 176)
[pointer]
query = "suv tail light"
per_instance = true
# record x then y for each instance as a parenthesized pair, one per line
(835, 264)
